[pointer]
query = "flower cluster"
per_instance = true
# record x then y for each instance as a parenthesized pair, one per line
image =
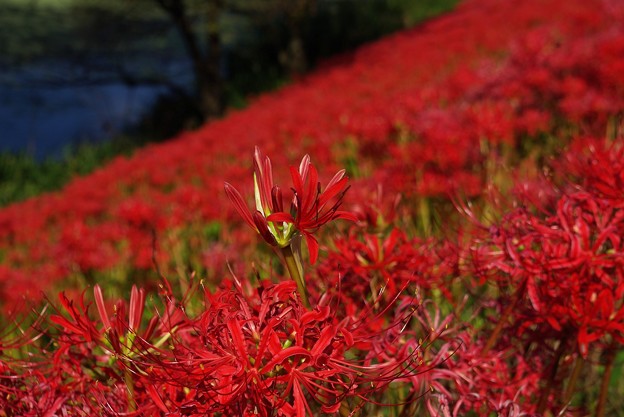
(260, 354)
(269, 355)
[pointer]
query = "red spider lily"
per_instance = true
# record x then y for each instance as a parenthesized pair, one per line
(74, 375)
(78, 324)
(378, 211)
(309, 210)
(103, 350)
(566, 268)
(472, 382)
(268, 355)
(599, 166)
(364, 269)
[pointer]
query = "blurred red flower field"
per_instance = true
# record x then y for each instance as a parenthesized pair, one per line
(484, 274)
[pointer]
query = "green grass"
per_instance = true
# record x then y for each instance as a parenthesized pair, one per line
(22, 177)
(415, 11)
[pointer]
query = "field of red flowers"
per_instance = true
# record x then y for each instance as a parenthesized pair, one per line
(452, 245)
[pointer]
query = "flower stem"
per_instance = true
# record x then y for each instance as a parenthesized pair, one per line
(554, 367)
(606, 378)
(130, 387)
(503, 320)
(295, 274)
(569, 391)
(425, 215)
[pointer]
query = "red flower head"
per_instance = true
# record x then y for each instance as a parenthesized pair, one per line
(310, 208)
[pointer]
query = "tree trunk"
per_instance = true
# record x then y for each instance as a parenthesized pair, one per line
(295, 58)
(208, 73)
(208, 80)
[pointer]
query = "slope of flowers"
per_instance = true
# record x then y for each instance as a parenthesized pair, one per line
(427, 83)
(479, 272)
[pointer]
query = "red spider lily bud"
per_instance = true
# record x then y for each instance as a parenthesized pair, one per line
(151, 326)
(263, 181)
(113, 336)
(137, 304)
(263, 228)
(99, 301)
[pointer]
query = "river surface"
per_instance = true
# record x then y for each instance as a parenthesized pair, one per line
(44, 121)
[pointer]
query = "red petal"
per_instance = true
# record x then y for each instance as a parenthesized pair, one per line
(55, 407)
(331, 192)
(264, 176)
(234, 326)
(606, 301)
(156, 398)
(300, 402)
(304, 166)
(391, 241)
(339, 176)
(137, 303)
(280, 217)
(99, 301)
(297, 181)
(239, 204)
(263, 228)
(345, 215)
(554, 323)
(533, 296)
(313, 248)
(348, 337)
(276, 196)
(67, 325)
(326, 336)
(285, 354)
(313, 189)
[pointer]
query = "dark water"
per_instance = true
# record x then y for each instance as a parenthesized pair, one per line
(43, 121)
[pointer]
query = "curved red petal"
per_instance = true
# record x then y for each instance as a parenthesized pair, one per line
(313, 247)
(345, 215)
(99, 301)
(263, 228)
(239, 204)
(280, 217)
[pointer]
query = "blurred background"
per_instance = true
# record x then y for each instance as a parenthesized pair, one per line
(82, 81)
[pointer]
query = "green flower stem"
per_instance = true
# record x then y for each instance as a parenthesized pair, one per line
(293, 270)
(132, 406)
(126, 344)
